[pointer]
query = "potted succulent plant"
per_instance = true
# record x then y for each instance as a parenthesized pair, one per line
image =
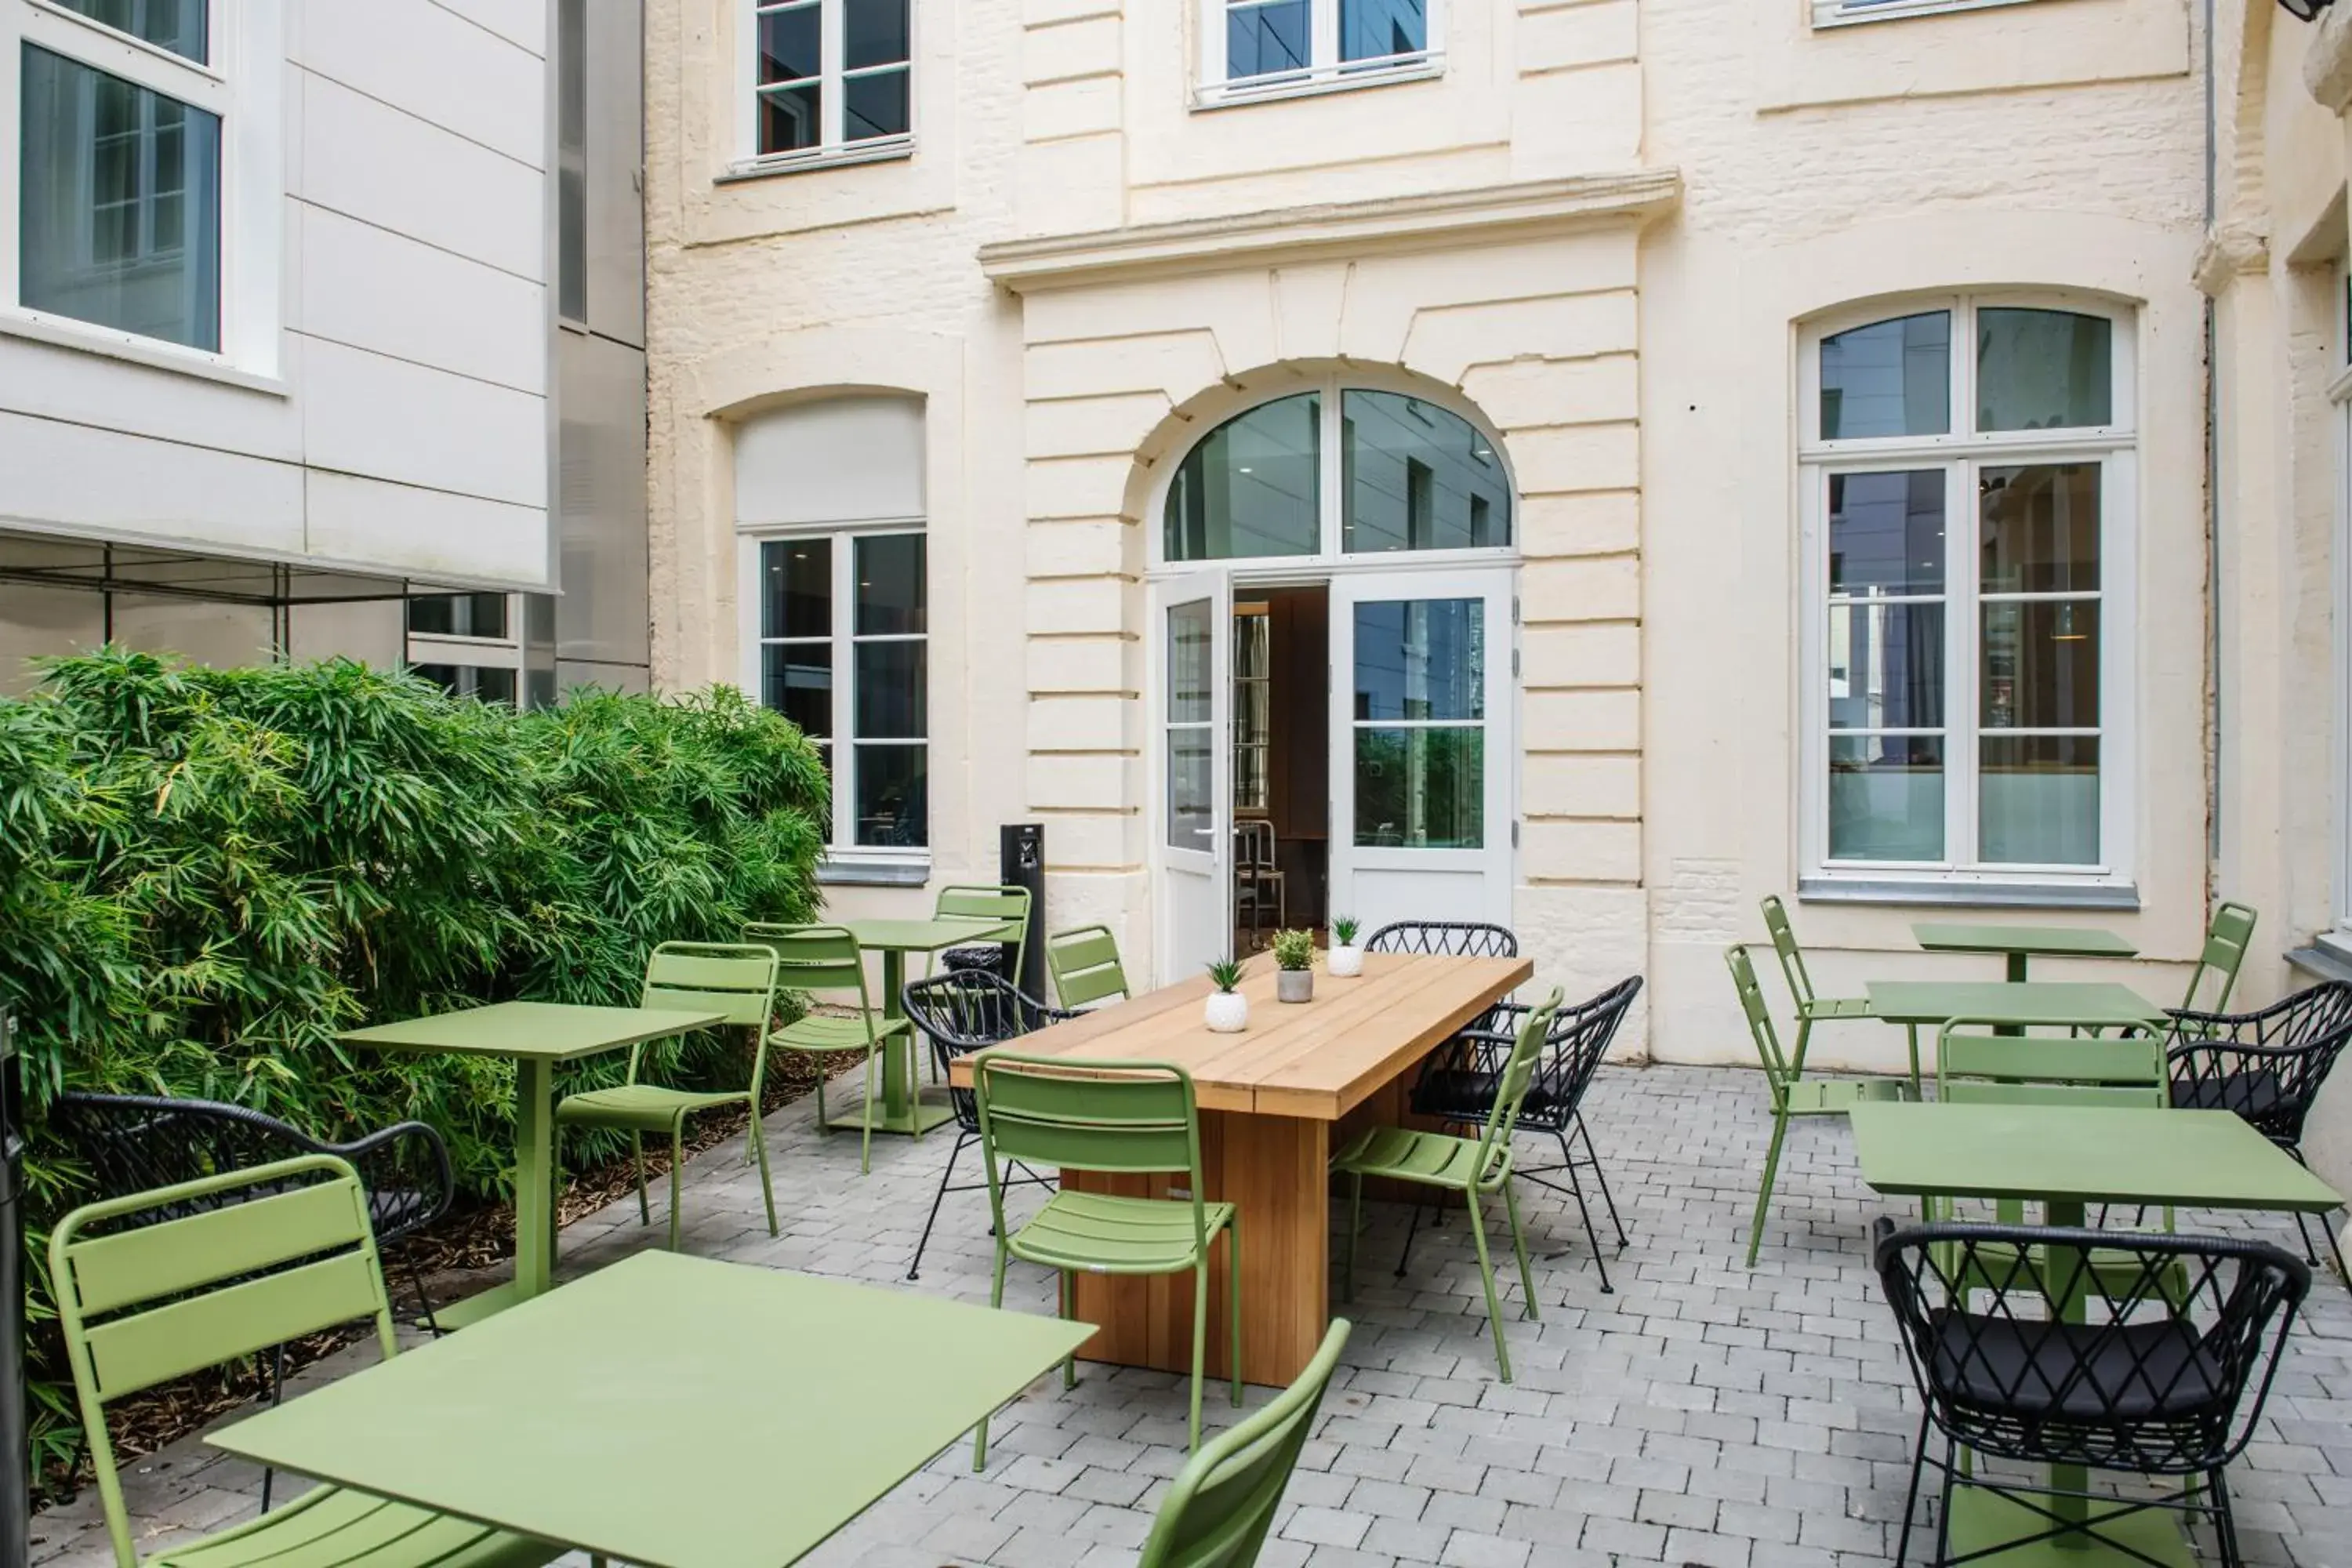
(1228, 1010)
(1294, 958)
(1345, 957)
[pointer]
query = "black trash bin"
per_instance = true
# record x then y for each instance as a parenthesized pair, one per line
(15, 1439)
(1021, 863)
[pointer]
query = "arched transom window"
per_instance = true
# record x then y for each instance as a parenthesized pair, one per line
(1968, 537)
(1337, 471)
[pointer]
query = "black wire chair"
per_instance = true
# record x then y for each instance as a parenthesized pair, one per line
(2124, 1378)
(1458, 1081)
(2268, 1066)
(1451, 939)
(962, 1011)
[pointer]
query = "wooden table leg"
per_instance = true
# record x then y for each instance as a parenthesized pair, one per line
(1274, 1169)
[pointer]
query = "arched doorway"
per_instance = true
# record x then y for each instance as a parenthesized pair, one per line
(1333, 693)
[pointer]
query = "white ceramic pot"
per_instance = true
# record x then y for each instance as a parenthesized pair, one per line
(1344, 962)
(1293, 984)
(1227, 1012)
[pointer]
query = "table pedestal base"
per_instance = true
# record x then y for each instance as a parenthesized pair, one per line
(1983, 1519)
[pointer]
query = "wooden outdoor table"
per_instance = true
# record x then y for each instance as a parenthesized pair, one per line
(1272, 1099)
(2018, 944)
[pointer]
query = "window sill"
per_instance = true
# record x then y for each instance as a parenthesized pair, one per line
(1237, 94)
(1843, 14)
(870, 870)
(58, 332)
(2329, 956)
(1968, 895)
(877, 152)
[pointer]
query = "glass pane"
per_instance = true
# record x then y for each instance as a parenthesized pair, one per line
(1265, 38)
(873, 33)
(824, 821)
(495, 686)
(1192, 816)
(174, 25)
(1420, 658)
(874, 106)
(1887, 667)
(2044, 370)
(572, 160)
(1189, 662)
(2040, 665)
(1422, 789)
(890, 587)
(1370, 29)
(1249, 778)
(1251, 486)
(2039, 800)
(1251, 660)
(1890, 378)
(1886, 797)
(796, 588)
(788, 45)
(2040, 527)
(893, 794)
(797, 681)
(458, 614)
(791, 118)
(1418, 477)
(1887, 532)
(893, 692)
(120, 204)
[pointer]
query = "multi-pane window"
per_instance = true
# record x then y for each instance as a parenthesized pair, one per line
(829, 76)
(119, 161)
(843, 653)
(470, 645)
(1253, 45)
(1968, 473)
(1835, 13)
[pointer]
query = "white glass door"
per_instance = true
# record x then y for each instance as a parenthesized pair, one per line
(1193, 810)
(1423, 754)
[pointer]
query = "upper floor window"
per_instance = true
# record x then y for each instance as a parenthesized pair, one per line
(1266, 48)
(1966, 700)
(828, 78)
(1834, 13)
(1342, 470)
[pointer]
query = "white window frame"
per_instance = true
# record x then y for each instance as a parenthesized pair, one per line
(243, 84)
(2113, 447)
(1325, 71)
(2339, 416)
(840, 748)
(831, 150)
(1846, 13)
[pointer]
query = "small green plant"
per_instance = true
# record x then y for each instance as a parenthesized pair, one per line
(1344, 930)
(1225, 974)
(1293, 949)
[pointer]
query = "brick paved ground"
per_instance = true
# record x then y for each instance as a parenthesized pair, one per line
(1701, 1414)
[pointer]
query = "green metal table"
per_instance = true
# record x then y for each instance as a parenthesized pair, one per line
(2067, 1158)
(534, 1036)
(646, 1413)
(903, 1108)
(2018, 944)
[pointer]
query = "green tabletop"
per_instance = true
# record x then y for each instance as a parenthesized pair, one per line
(2075, 1155)
(903, 1108)
(2094, 1005)
(669, 1411)
(889, 937)
(536, 1036)
(2018, 944)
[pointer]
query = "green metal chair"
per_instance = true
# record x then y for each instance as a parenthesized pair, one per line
(737, 980)
(817, 958)
(1812, 1009)
(993, 903)
(1085, 966)
(1474, 1167)
(2226, 940)
(143, 1306)
(1221, 1504)
(1791, 1095)
(1112, 1118)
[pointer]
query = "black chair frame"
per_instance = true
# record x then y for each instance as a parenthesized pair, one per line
(962, 1011)
(1456, 1087)
(1450, 938)
(2131, 1382)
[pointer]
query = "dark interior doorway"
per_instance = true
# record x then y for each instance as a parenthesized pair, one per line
(1282, 762)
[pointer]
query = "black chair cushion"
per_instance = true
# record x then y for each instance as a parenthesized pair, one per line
(1465, 1095)
(2088, 1372)
(2252, 1093)
(989, 959)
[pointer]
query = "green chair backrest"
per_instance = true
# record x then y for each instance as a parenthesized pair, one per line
(1084, 967)
(1000, 903)
(1518, 1072)
(143, 1306)
(1791, 956)
(813, 958)
(1219, 1507)
(1973, 1065)
(1759, 1020)
(2226, 941)
(737, 980)
(1120, 1118)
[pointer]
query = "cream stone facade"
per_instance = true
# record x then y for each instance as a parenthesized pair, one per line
(1607, 236)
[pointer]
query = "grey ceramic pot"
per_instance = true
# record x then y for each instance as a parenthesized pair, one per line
(1293, 984)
